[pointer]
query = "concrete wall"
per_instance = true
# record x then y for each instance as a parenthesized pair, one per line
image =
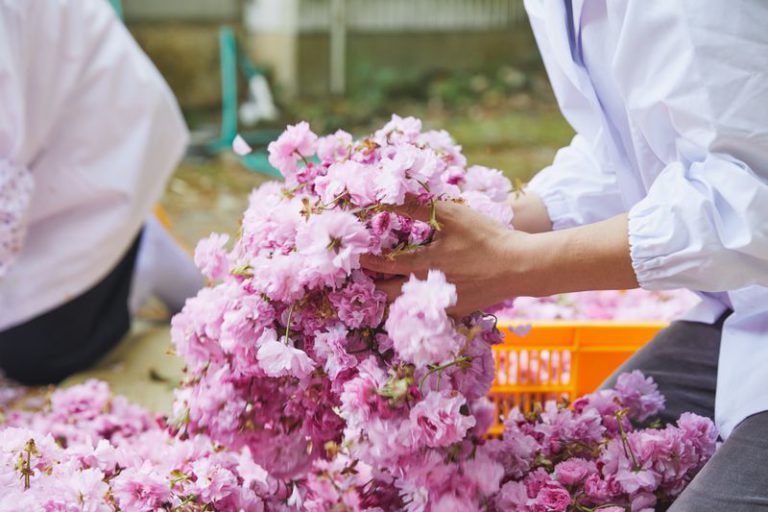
(278, 52)
(181, 37)
(300, 16)
(411, 36)
(187, 54)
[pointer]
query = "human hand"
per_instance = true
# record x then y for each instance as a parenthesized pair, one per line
(473, 251)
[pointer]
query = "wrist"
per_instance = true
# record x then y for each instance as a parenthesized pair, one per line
(591, 257)
(527, 261)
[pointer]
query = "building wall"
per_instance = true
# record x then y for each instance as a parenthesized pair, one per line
(181, 38)
(207, 11)
(187, 55)
(302, 16)
(291, 38)
(412, 53)
(412, 36)
(278, 52)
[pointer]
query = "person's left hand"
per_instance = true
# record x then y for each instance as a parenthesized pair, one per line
(473, 251)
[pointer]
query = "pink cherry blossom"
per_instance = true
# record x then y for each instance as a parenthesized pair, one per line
(440, 420)
(278, 358)
(488, 181)
(335, 147)
(574, 471)
(296, 143)
(399, 130)
(420, 328)
(359, 303)
(210, 256)
(331, 244)
(141, 488)
(240, 147)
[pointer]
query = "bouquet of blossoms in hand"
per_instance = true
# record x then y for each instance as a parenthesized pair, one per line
(294, 354)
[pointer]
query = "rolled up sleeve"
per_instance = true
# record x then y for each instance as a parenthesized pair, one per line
(703, 226)
(16, 183)
(700, 93)
(575, 189)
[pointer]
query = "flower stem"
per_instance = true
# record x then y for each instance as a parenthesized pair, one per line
(625, 440)
(288, 323)
(303, 158)
(25, 463)
(458, 360)
(433, 215)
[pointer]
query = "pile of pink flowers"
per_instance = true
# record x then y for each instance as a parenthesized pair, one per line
(305, 390)
(291, 353)
(621, 305)
(591, 457)
(83, 449)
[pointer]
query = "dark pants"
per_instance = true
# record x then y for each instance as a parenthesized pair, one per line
(682, 359)
(73, 336)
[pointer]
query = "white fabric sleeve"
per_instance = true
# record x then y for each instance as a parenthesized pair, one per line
(16, 183)
(16, 187)
(575, 189)
(703, 226)
(703, 84)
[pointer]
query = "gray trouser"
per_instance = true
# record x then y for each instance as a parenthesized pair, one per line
(682, 359)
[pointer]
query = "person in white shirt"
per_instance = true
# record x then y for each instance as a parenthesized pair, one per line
(89, 134)
(664, 186)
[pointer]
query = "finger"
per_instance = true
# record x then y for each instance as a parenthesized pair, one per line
(459, 311)
(391, 287)
(401, 263)
(414, 209)
(379, 264)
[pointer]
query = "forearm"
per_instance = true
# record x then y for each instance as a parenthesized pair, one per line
(591, 257)
(530, 214)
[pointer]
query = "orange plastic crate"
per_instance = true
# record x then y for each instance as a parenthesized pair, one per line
(560, 359)
(162, 216)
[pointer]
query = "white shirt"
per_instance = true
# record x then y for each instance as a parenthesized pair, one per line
(671, 114)
(89, 134)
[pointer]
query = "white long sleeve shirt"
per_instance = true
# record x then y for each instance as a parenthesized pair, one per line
(89, 134)
(670, 108)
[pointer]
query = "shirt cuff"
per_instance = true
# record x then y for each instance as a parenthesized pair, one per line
(650, 234)
(561, 214)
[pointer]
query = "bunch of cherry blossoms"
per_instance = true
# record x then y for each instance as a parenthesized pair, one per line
(291, 353)
(84, 449)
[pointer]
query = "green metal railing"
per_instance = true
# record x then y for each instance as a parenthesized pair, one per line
(231, 60)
